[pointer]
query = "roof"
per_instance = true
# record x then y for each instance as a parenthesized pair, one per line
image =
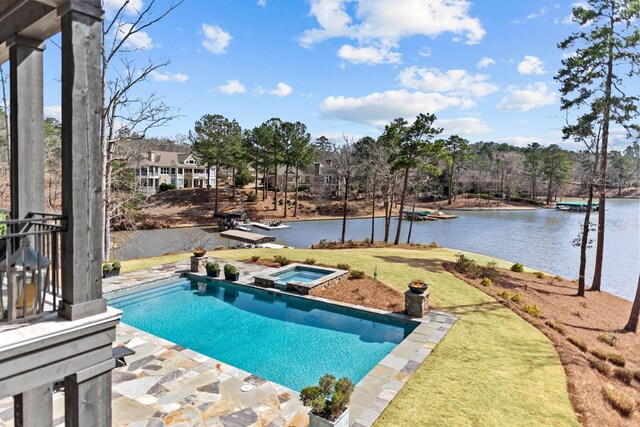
(576, 204)
(227, 215)
(247, 237)
(169, 158)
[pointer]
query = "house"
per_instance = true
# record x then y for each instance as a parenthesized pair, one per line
(167, 167)
(54, 323)
(320, 178)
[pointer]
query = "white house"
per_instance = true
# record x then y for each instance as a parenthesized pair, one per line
(167, 167)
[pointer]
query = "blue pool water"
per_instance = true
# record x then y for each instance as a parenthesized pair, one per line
(301, 275)
(284, 339)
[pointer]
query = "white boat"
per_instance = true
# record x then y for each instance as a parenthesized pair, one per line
(244, 227)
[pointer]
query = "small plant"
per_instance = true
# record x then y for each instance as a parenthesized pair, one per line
(577, 314)
(539, 274)
(467, 266)
(578, 343)
(230, 269)
(366, 241)
(282, 260)
(356, 274)
(517, 298)
(486, 282)
(517, 267)
(600, 366)
(212, 265)
(556, 327)
(343, 266)
(490, 271)
(608, 339)
(533, 310)
(559, 277)
(619, 400)
(252, 197)
(329, 399)
(600, 354)
(636, 375)
(310, 261)
(255, 258)
(617, 359)
(433, 244)
(116, 265)
(107, 267)
(623, 375)
(504, 294)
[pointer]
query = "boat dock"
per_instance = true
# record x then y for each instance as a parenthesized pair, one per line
(269, 226)
(576, 206)
(426, 215)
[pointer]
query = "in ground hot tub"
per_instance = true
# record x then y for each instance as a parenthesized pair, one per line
(301, 278)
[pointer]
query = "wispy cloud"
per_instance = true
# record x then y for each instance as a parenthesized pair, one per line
(216, 40)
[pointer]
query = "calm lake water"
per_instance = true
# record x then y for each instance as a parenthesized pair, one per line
(540, 239)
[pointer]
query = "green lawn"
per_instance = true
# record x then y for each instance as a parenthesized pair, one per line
(492, 368)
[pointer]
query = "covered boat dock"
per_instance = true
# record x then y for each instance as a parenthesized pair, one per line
(247, 237)
(576, 206)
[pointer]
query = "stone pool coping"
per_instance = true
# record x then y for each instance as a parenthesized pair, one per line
(270, 280)
(382, 383)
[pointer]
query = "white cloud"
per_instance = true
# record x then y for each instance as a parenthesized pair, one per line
(531, 65)
(527, 98)
(169, 77)
(463, 126)
(369, 55)
(382, 23)
(138, 40)
(568, 20)
(262, 3)
(380, 108)
(282, 89)
(453, 82)
(112, 7)
(519, 141)
(232, 87)
(216, 40)
(53, 111)
(425, 52)
(485, 62)
(543, 11)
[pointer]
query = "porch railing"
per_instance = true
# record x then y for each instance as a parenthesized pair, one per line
(30, 266)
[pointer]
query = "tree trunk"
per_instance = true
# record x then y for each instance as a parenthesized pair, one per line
(450, 184)
(286, 189)
(584, 243)
(295, 202)
(533, 193)
(634, 318)
(265, 183)
(215, 209)
(549, 191)
(344, 208)
(402, 200)
(275, 186)
(597, 274)
(233, 183)
(413, 209)
(373, 210)
(256, 181)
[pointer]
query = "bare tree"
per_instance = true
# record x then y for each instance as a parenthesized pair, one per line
(345, 162)
(5, 145)
(634, 317)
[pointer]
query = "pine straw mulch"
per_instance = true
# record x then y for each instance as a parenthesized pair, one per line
(368, 292)
(584, 319)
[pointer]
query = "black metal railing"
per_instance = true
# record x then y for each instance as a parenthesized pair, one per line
(30, 266)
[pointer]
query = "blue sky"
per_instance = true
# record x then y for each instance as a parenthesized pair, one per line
(485, 68)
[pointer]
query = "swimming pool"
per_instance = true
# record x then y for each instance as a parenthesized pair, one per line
(288, 340)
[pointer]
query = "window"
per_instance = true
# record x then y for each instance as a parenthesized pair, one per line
(173, 181)
(190, 162)
(179, 171)
(173, 171)
(164, 171)
(143, 171)
(180, 183)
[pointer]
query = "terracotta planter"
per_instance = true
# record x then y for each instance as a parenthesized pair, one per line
(341, 421)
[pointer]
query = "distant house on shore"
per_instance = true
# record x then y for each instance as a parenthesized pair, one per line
(167, 167)
(320, 178)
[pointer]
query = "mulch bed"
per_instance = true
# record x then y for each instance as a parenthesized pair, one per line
(368, 292)
(584, 319)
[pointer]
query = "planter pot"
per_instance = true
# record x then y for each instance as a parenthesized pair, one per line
(342, 421)
(213, 273)
(418, 289)
(113, 273)
(199, 254)
(232, 277)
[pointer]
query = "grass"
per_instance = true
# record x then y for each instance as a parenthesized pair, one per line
(600, 366)
(492, 368)
(617, 359)
(578, 343)
(619, 400)
(608, 339)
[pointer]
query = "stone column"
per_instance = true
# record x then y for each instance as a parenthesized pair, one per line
(81, 159)
(34, 408)
(198, 263)
(416, 305)
(27, 126)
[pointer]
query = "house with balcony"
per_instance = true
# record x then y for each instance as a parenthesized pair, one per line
(54, 323)
(182, 170)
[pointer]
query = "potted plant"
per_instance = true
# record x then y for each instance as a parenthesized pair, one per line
(110, 270)
(213, 269)
(418, 286)
(329, 400)
(199, 252)
(231, 272)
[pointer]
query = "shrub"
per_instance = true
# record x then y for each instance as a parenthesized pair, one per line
(164, 187)
(608, 339)
(636, 375)
(490, 271)
(556, 327)
(517, 267)
(366, 241)
(617, 359)
(242, 178)
(577, 314)
(343, 266)
(618, 400)
(557, 277)
(212, 266)
(329, 398)
(255, 258)
(578, 343)
(230, 269)
(486, 282)
(467, 266)
(252, 197)
(623, 375)
(504, 294)
(533, 310)
(3, 227)
(600, 366)
(310, 261)
(107, 267)
(539, 274)
(600, 354)
(517, 298)
(356, 274)
(433, 244)
(282, 260)
(116, 265)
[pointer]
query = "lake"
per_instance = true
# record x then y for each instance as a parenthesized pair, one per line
(540, 239)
